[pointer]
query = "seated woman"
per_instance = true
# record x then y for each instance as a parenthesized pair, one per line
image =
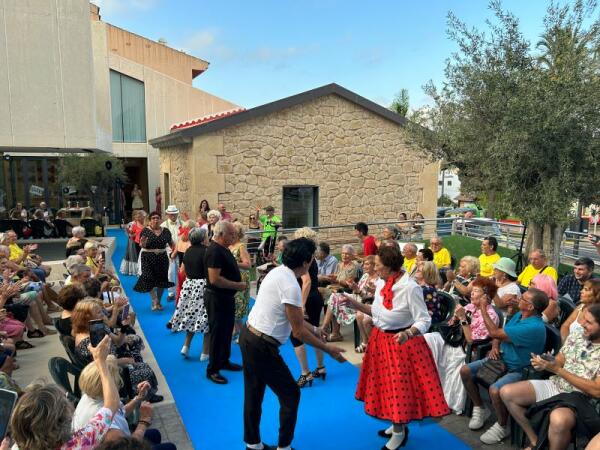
(43, 415)
(47, 227)
(450, 359)
(459, 284)
(418, 225)
(388, 236)
(546, 283)
(428, 277)
(68, 297)
(575, 370)
(347, 273)
(363, 292)
(92, 401)
(126, 348)
(96, 262)
(404, 227)
(77, 242)
(590, 295)
(509, 293)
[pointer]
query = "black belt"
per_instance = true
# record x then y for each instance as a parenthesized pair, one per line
(396, 331)
(265, 337)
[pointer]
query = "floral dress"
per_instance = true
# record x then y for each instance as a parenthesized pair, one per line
(242, 298)
(88, 437)
(434, 305)
(344, 314)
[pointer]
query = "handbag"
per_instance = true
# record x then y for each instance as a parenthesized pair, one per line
(491, 371)
(452, 334)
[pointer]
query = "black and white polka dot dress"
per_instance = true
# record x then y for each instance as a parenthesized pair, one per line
(155, 266)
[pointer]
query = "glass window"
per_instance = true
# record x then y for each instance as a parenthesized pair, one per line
(449, 182)
(300, 206)
(127, 101)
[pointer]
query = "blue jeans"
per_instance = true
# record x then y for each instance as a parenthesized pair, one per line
(510, 377)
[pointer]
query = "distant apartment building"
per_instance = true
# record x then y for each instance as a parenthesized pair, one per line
(70, 82)
(449, 184)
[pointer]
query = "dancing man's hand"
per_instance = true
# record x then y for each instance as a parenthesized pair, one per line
(336, 353)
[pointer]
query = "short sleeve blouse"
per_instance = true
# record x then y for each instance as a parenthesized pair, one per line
(155, 242)
(88, 437)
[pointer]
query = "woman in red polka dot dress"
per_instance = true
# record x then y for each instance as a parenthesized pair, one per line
(398, 379)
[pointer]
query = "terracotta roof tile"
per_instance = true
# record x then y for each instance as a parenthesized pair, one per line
(206, 119)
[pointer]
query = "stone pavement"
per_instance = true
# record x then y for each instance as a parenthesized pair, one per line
(34, 365)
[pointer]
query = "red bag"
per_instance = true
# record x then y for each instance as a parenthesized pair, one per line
(181, 276)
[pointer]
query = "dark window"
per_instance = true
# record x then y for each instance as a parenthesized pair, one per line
(128, 108)
(440, 182)
(449, 182)
(300, 206)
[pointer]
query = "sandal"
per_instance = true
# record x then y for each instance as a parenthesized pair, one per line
(35, 334)
(23, 345)
(335, 338)
(361, 348)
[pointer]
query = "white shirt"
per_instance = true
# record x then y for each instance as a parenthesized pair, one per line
(408, 306)
(88, 407)
(173, 227)
(268, 316)
(511, 288)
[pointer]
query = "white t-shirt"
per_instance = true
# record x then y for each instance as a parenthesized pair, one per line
(268, 314)
(88, 407)
(511, 288)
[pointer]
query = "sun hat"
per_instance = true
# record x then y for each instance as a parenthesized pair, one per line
(507, 266)
(172, 209)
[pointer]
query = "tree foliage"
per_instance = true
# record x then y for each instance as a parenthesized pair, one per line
(94, 175)
(401, 104)
(521, 124)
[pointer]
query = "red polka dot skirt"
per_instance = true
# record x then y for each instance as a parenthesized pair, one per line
(399, 382)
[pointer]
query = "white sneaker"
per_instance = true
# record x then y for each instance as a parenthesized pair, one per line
(204, 357)
(478, 418)
(184, 351)
(494, 434)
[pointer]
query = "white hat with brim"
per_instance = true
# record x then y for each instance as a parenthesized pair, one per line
(172, 209)
(507, 266)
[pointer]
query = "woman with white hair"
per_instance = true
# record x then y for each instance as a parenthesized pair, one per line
(190, 315)
(213, 216)
(343, 280)
(312, 304)
(77, 242)
(96, 262)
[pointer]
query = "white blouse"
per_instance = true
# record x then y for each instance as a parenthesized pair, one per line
(408, 307)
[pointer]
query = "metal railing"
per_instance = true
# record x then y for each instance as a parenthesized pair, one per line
(573, 245)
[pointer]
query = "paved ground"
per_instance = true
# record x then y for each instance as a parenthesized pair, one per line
(166, 416)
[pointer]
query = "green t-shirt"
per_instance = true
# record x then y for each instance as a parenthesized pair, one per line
(269, 228)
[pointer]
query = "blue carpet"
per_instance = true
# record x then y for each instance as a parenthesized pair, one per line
(329, 417)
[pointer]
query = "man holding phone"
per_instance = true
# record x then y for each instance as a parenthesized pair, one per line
(583, 270)
(575, 369)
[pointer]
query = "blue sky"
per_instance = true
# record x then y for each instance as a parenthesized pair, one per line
(264, 50)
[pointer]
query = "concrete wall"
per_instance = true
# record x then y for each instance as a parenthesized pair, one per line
(47, 84)
(364, 166)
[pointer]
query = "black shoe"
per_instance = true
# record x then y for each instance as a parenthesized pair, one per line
(232, 367)
(383, 433)
(169, 325)
(216, 378)
(265, 447)
(156, 398)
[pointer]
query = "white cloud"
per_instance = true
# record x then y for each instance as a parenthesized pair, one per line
(200, 41)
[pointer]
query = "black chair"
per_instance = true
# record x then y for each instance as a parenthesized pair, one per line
(38, 229)
(566, 307)
(62, 228)
(5, 225)
(60, 369)
(18, 226)
(90, 227)
(448, 305)
(68, 343)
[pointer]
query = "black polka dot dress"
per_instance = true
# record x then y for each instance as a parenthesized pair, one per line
(399, 382)
(155, 266)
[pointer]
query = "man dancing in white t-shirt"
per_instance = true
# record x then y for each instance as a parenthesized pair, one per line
(276, 313)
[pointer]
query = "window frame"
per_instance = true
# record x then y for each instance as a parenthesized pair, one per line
(315, 206)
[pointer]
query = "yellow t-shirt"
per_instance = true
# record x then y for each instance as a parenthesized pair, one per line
(409, 264)
(16, 252)
(442, 258)
(529, 272)
(485, 264)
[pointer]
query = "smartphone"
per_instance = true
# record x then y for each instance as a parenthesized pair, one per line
(547, 357)
(125, 312)
(7, 403)
(97, 331)
(594, 238)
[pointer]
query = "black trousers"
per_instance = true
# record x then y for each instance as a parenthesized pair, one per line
(221, 318)
(313, 308)
(263, 366)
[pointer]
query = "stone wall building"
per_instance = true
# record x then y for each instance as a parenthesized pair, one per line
(326, 156)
